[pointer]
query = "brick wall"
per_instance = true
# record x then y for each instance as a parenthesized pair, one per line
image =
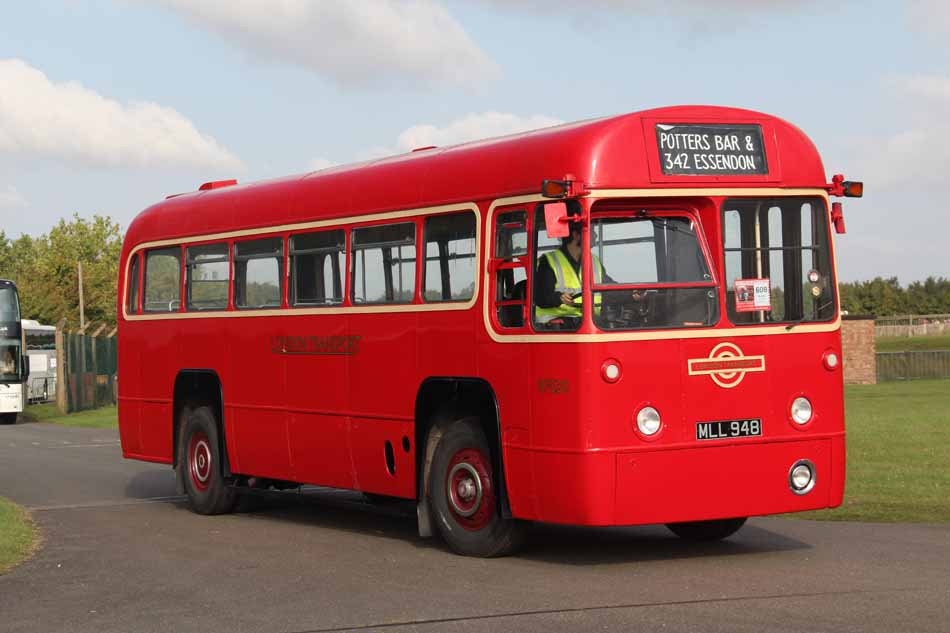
(858, 350)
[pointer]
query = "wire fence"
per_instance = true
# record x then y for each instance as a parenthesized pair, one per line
(913, 365)
(88, 374)
(912, 325)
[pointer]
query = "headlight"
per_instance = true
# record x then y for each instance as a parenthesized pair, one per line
(801, 477)
(648, 420)
(801, 410)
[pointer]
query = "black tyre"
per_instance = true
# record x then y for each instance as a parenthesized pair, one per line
(707, 530)
(463, 495)
(7, 418)
(200, 463)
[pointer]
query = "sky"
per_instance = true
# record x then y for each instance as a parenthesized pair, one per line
(107, 106)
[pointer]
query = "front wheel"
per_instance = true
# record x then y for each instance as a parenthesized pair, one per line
(707, 530)
(463, 494)
(200, 463)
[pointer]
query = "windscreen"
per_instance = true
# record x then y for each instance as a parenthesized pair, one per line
(9, 306)
(778, 260)
(650, 272)
(9, 334)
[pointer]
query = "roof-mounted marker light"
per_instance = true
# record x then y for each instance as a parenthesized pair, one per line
(853, 189)
(847, 188)
(554, 188)
(216, 184)
(567, 187)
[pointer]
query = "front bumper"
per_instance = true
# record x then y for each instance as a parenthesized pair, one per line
(684, 483)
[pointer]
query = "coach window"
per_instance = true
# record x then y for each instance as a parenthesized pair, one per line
(316, 262)
(510, 263)
(450, 257)
(258, 265)
(163, 280)
(384, 263)
(208, 272)
(132, 298)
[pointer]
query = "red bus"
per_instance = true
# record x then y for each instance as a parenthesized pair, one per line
(628, 320)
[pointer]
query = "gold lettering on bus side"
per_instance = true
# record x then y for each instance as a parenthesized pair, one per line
(315, 345)
(553, 385)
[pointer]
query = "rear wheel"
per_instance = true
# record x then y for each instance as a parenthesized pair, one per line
(707, 530)
(463, 495)
(7, 418)
(200, 464)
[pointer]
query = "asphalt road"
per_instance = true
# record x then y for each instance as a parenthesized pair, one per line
(122, 552)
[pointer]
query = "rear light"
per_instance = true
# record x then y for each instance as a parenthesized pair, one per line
(801, 410)
(830, 360)
(648, 421)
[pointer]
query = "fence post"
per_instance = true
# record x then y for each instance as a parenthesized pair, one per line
(62, 388)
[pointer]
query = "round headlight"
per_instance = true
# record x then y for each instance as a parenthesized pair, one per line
(801, 477)
(801, 410)
(648, 420)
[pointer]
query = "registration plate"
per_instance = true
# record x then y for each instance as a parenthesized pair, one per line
(726, 429)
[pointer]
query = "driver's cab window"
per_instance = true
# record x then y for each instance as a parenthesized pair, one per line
(557, 302)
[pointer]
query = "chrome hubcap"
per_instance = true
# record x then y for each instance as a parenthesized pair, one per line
(468, 490)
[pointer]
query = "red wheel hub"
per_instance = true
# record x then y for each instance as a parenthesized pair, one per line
(468, 486)
(199, 460)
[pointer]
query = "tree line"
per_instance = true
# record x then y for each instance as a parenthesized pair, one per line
(46, 272)
(886, 297)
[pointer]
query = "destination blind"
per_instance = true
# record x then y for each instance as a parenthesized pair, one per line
(710, 150)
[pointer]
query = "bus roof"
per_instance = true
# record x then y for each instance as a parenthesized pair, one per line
(611, 152)
(30, 324)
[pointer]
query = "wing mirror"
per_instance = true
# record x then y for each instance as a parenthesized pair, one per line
(556, 220)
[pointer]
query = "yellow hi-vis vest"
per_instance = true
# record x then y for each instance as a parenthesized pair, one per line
(566, 280)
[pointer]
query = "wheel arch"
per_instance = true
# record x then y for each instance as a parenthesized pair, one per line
(443, 399)
(199, 386)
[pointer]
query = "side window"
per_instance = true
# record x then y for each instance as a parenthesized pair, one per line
(258, 267)
(132, 295)
(163, 280)
(450, 257)
(510, 260)
(384, 263)
(316, 263)
(208, 274)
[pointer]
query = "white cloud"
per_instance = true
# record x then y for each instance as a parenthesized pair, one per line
(10, 198)
(320, 163)
(471, 127)
(647, 6)
(352, 42)
(69, 122)
(930, 15)
(919, 151)
(926, 86)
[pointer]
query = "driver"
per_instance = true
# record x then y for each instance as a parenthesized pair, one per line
(557, 283)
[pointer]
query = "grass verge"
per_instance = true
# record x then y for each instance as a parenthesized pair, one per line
(898, 453)
(912, 343)
(16, 535)
(103, 418)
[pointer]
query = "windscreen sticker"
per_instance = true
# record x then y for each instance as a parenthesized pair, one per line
(753, 295)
